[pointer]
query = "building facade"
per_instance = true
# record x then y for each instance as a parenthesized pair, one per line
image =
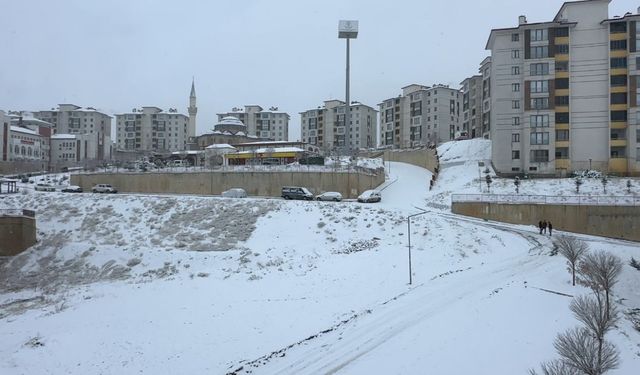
(565, 93)
(270, 124)
(472, 106)
(485, 71)
(421, 115)
(150, 129)
(70, 150)
(324, 127)
(72, 119)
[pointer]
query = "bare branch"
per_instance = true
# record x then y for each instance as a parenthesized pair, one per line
(580, 350)
(573, 250)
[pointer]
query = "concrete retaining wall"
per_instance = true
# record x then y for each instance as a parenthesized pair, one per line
(607, 221)
(425, 158)
(17, 233)
(350, 185)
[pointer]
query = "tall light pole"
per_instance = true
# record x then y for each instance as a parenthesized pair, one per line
(409, 237)
(347, 30)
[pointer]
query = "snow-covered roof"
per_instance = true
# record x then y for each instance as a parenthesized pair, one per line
(63, 136)
(23, 130)
(230, 120)
(31, 119)
(188, 152)
(220, 145)
(241, 133)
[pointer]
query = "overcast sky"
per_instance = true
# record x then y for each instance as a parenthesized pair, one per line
(120, 54)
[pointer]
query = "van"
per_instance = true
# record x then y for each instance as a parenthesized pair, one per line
(296, 192)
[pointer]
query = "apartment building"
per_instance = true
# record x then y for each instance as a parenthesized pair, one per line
(150, 129)
(472, 106)
(485, 71)
(421, 115)
(325, 128)
(69, 150)
(270, 124)
(72, 119)
(565, 93)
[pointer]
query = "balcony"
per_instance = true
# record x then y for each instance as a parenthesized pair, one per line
(619, 71)
(618, 143)
(562, 144)
(618, 165)
(618, 36)
(563, 163)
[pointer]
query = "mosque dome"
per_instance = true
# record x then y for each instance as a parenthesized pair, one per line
(231, 125)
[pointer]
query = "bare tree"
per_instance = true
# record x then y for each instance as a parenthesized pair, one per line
(556, 367)
(580, 350)
(599, 271)
(573, 249)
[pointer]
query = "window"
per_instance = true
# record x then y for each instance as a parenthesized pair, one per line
(515, 137)
(562, 153)
(562, 117)
(617, 45)
(562, 135)
(562, 49)
(515, 104)
(638, 154)
(619, 98)
(539, 69)
(515, 54)
(618, 115)
(515, 154)
(515, 169)
(619, 80)
(562, 100)
(538, 35)
(618, 62)
(539, 138)
(539, 87)
(540, 103)
(515, 121)
(562, 32)
(515, 37)
(637, 135)
(562, 66)
(618, 27)
(539, 121)
(515, 87)
(539, 52)
(539, 156)
(515, 70)
(562, 83)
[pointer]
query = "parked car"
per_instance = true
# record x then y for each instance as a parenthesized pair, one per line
(234, 193)
(72, 189)
(330, 196)
(24, 180)
(44, 187)
(295, 192)
(104, 188)
(370, 196)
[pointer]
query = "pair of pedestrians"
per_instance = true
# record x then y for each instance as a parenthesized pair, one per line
(544, 225)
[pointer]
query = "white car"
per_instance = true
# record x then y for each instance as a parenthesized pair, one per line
(234, 193)
(72, 189)
(329, 196)
(44, 187)
(104, 188)
(370, 196)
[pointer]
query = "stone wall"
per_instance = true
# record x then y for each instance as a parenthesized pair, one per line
(607, 221)
(350, 185)
(17, 233)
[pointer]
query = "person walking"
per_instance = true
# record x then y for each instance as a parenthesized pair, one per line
(550, 228)
(540, 226)
(544, 227)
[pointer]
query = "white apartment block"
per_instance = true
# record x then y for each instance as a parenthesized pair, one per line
(70, 149)
(565, 93)
(270, 124)
(72, 119)
(150, 129)
(472, 106)
(324, 127)
(485, 71)
(422, 115)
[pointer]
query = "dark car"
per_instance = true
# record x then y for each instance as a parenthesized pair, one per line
(295, 192)
(72, 189)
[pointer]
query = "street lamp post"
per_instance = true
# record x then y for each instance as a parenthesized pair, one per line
(347, 30)
(409, 237)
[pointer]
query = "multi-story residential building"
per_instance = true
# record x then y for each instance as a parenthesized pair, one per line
(70, 149)
(472, 106)
(565, 93)
(72, 119)
(270, 124)
(485, 71)
(152, 129)
(324, 127)
(422, 115)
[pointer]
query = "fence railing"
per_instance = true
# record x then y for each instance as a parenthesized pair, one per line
(17, 212)
(580, 200)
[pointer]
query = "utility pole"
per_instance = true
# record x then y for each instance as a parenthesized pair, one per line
(409, 237)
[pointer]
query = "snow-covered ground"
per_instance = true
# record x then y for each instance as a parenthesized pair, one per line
(168, 284)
